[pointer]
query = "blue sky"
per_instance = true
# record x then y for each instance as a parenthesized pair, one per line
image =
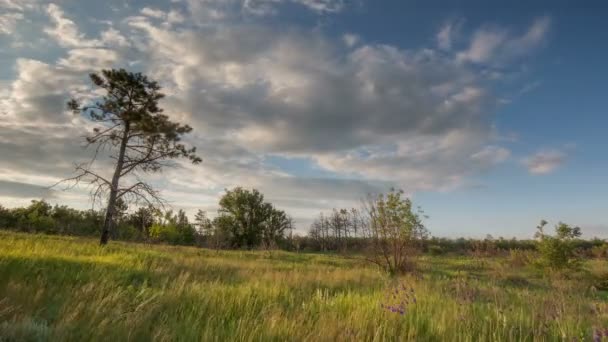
(491, 115)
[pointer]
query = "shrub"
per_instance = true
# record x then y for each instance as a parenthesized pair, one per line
(558, 252)
(436, 250)
(395, 230)
(520, 258)
(600, 252)
(165, 233)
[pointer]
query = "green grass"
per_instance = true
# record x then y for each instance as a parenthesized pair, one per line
(69, 289)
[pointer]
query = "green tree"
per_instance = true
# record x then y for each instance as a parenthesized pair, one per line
(142, 219)
(140, 137)
(203, 223)
(394, 228)
(248, 220)
(277, 223)
(558, 252)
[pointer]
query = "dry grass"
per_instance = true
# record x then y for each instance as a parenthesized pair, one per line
(57, 288)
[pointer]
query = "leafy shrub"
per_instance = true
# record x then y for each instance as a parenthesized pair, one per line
(435, 250)
(558, 252)
(165, 233)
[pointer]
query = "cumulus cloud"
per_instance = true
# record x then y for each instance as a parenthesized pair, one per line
(376, 112)
(544, 162)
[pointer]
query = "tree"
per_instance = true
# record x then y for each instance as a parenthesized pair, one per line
(141, 139)
(203, 223)
(248, 220)
(142, 219)
(393, 228)
(274, 228)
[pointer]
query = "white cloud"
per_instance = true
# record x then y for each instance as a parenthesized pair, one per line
(12, 12)
(89, 59)
(448, 33)
(350, 39)
(39, 92)
(65, 31)
(545, 161)
(8, 22)
(495, 45)
(19, 5)
(152, 12)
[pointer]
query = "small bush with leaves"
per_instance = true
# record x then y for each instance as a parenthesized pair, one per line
(558, 252)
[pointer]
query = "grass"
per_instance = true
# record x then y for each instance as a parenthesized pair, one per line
(70, 289)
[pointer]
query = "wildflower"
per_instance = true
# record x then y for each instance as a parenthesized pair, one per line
(398, 298)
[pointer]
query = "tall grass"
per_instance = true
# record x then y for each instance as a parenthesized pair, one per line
(68, 289)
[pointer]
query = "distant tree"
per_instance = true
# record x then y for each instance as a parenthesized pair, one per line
(140, 138)
(143, 218)
(7, 219)
(249, 220)
(394, 229)
(277, 223)
(186, 231)
(206, 231)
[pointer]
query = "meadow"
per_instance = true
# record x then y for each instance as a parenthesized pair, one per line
(69, 289)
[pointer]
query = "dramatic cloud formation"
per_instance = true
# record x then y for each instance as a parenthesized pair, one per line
(364, 115)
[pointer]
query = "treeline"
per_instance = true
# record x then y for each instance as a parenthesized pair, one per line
(244, 220)
(347, 230)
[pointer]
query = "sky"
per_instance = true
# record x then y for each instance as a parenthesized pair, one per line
(490, 115)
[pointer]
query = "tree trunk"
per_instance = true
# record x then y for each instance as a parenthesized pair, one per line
(108, 223)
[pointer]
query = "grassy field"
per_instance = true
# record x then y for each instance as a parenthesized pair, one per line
(69, 289)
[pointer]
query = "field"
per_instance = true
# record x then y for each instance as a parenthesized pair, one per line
(69, 289)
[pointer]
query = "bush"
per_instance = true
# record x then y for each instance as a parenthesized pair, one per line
(165, 233)
(520, 258)
(436, 250)
(600, 252)
(558, 252)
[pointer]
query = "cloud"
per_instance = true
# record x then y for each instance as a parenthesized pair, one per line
(12, 12)
(39, 92)
(65, 31)
(368, 115)
(495, 45)
(67, 34)
(350, 39)
(449, 32)
(283, 93)
(544, 162)
(206, 12)
(8, 22)
(24, 190)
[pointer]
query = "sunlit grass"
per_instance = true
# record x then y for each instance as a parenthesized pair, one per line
(57, 288)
